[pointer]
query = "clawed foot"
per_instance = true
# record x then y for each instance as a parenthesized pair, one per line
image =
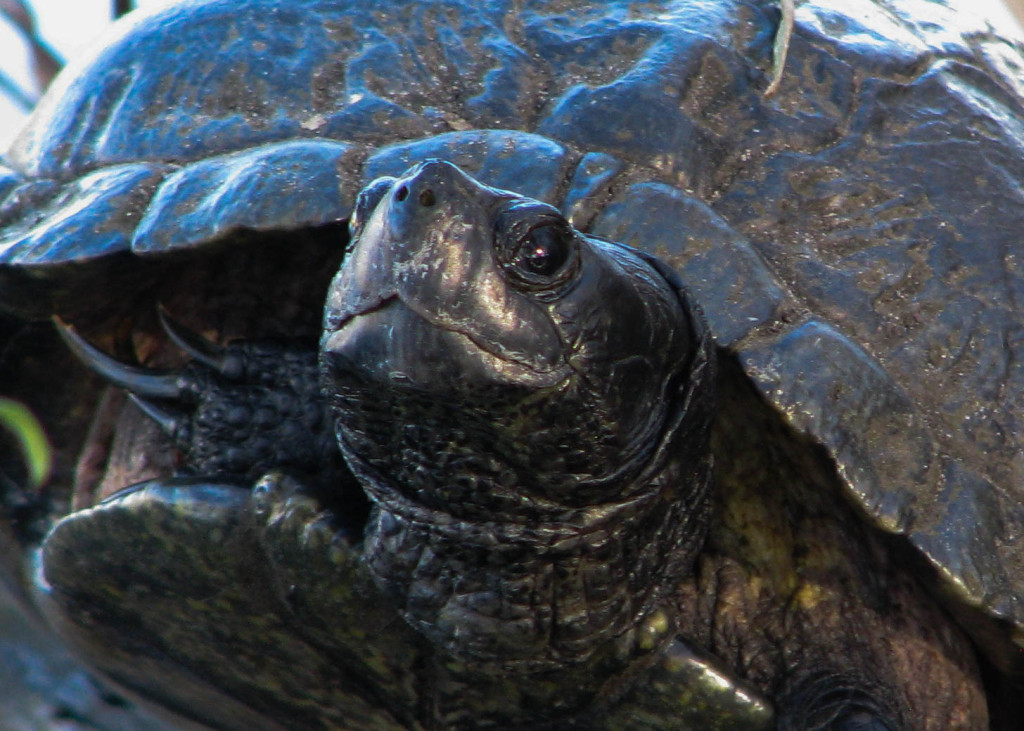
(240, 409)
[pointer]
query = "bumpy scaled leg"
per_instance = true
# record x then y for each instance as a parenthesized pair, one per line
(251, 608)
(237, 608)
(239, 410)
(821, 612)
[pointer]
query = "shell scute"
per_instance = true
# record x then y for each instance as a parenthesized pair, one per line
(92, 218)
(530, 164)
(282, 186)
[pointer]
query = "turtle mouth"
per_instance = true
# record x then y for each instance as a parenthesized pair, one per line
(396, 344)
(433, 417)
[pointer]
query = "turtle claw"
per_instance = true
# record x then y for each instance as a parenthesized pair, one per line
(197, 347)
(172, 422)
(239, 409)
(155, 384)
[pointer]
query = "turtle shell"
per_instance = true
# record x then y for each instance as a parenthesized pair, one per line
(853, 239)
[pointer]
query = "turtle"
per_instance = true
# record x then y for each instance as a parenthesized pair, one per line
(215, 206)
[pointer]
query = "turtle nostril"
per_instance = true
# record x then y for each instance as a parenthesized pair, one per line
(427, 197)
(401, 194)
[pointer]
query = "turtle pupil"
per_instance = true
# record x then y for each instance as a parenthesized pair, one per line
(544, 251)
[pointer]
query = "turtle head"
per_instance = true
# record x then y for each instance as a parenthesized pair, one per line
(526, 406)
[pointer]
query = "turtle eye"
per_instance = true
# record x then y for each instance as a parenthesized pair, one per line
(536, 247)
(544, 250)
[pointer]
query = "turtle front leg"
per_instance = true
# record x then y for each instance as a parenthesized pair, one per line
(233, 592)
(240, 411)
(817, 610)
(231, 606)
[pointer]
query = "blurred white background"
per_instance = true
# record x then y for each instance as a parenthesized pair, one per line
(71, 26)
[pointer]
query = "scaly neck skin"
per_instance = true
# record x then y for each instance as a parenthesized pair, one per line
(527, 598)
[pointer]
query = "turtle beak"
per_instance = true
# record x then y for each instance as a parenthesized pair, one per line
(393, 223)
